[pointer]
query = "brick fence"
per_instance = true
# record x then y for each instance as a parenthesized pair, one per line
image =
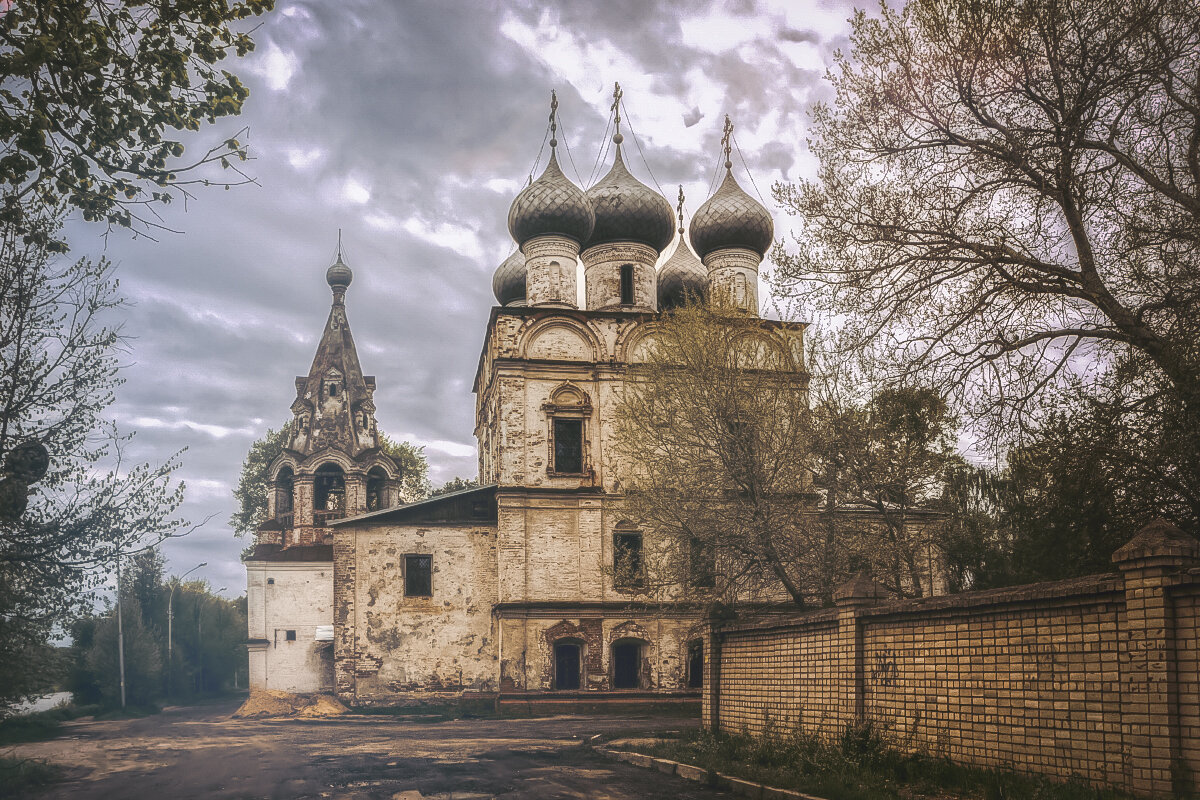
(1095, 677)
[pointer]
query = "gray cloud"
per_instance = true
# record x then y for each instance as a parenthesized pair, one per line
(421, 105)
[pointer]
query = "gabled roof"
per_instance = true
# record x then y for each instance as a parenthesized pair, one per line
(476, 505)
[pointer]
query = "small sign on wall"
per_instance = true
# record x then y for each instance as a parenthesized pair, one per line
(324, 633)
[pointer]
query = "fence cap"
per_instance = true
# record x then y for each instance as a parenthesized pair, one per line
(859, 590)
(1157, 540)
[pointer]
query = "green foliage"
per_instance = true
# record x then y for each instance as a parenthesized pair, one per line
(414, 469)
(207, 637)
(860, 764)
(92, 93)
(455, 484)
(58, 372)
(253, 485)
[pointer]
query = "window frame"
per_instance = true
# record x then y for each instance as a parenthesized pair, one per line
(405, 576)
(567, 403)
(625, 284)
(637, 578)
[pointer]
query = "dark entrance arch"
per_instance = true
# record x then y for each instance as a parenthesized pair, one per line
(627, 664)
(567, 664)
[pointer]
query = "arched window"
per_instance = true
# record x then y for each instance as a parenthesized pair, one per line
(568, 663)
(627, 664)
(329, 494)
(376, 479)
(284, 484)
(627, 284)
(627, 557)
(567, 412)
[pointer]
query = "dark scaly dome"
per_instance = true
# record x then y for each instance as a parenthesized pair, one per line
(628, 210)
(682, 275)
(551, 205)
(339, 275)
(731, 218)
(508, 283)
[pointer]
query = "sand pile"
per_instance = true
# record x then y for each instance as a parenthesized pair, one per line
(271, 703)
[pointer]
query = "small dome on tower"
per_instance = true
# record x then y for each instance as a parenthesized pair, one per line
(731, 218)
(683, 275)
(628, 210)
(508, 282)
(551, 205)
(339, 275)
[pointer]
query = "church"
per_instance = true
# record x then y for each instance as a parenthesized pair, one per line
(507, 591)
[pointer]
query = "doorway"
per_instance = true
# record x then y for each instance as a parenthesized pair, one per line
(566, 665)
(627, 658)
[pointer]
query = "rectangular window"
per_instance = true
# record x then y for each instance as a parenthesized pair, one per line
(627, 284)
(568, 446)
(418, 576)
(627, 560)
(290, 636)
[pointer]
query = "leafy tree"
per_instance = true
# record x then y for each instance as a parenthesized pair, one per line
(891, 456)
(58, 371)
(455, 484)
(143, 658)
(1007, 208)
(414, 469)
(251, 491)
(94, 95)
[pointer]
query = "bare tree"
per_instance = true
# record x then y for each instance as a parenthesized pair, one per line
(58, 370)
(1008, 202)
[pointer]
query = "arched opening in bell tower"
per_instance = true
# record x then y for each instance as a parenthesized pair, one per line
(329, 494)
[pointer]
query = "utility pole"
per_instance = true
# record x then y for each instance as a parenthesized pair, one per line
(120, 631)
(170, 617)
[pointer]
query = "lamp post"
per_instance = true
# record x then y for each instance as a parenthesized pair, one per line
(170, 617)
(199, 647)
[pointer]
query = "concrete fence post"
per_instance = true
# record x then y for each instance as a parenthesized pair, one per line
(1154, 560)
(851, 598)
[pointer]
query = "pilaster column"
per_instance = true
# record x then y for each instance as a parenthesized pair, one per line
(852, 599)
(1157, 558)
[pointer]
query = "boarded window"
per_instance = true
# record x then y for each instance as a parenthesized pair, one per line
(627, 559)
(418, 576)
(568, 446)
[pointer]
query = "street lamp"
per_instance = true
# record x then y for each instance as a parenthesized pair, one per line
(170, 617)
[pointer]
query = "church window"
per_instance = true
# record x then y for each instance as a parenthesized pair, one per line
(627, 284)
(626, 664)
(568, 445)
(567, 664)
(284, 484)
(696, 664)
(376, 479)
(418, 576)
(627, 558)
(329, 493)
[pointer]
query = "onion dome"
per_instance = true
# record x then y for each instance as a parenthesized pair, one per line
(551, 205)
(508, 283)
(628, 210)
(681, 276)
(731, 218)
(339, 275)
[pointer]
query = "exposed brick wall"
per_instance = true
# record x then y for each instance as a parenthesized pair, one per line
(1095, 677)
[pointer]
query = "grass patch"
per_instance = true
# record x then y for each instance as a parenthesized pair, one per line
(20, 775)
(860, 765)
(41, 726)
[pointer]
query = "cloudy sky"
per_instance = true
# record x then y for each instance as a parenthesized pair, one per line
(411, 126)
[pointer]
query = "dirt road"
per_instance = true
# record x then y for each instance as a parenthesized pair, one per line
(202, 753)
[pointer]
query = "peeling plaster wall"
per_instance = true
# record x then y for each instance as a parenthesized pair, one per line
(398, 649)
(300, 599)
